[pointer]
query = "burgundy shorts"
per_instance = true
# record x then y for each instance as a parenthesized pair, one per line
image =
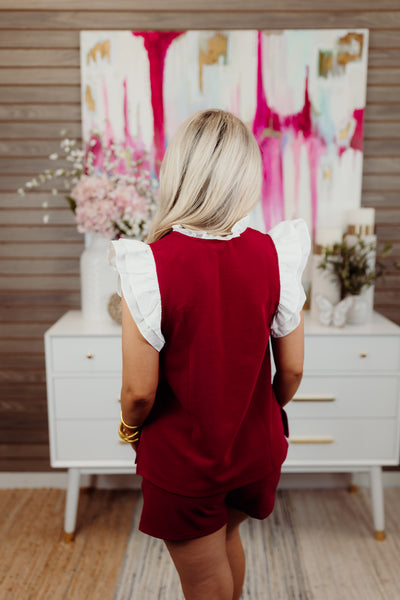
(173, 517)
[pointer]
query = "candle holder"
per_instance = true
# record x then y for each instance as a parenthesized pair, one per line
(362, 227)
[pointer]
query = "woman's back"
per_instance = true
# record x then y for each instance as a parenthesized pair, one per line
(218, 299)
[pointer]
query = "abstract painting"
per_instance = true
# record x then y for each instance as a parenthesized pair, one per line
(301, 92)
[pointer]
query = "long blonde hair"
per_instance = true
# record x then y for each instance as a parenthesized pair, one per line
(210, 176)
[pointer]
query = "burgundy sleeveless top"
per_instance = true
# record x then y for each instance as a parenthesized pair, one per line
(216, 424)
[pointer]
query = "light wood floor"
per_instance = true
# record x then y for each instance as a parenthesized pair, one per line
(328, 532)
(36, 563)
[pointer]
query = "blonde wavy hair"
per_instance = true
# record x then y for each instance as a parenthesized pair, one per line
(210, 176)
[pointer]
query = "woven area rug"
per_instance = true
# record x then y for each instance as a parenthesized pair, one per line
(148, 572)
(316, 545)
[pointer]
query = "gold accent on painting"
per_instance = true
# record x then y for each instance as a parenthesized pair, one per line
(102, 48)
(333, 61)
(90, 103)
(351, 46)
(210, 51)
(344, 132)
(325, 63)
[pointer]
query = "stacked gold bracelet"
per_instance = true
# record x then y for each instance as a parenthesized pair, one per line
(129, 438)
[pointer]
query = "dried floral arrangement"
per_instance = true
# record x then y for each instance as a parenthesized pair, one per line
(110, 188)
(351, 264)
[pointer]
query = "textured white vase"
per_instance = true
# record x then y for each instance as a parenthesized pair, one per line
(359, 311)
(98, 280)
(367, 294)
(323, 282)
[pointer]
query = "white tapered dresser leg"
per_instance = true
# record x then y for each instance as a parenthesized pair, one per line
(377, 503)
(71, 506)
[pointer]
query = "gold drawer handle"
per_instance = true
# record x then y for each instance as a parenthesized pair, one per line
(311, 398)
(363, 354)
(311, 440)
(89, 355)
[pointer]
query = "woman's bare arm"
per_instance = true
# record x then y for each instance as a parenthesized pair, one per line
(288, 352)
(140, 369)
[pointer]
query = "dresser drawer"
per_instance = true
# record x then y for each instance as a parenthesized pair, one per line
(87, 398)
(93, 440)
(345, 353)
(88, 354)
(345, 396)
(324, 440)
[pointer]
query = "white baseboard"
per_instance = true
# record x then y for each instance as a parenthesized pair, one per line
(54, 479)
(288, 480)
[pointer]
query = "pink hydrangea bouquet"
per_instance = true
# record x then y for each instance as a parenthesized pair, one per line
(111, 193)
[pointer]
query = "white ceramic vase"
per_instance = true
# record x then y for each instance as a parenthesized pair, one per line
(98, 279)
(359, 311)
(323, 282)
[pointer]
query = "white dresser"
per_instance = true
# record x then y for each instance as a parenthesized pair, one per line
(345, 416)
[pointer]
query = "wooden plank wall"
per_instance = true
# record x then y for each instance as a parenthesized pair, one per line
(40, 95)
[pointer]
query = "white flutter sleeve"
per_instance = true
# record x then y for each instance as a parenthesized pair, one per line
(292, 243)
(134, 262)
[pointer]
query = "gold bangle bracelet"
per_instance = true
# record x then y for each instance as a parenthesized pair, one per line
(129, 438)
(133, 427)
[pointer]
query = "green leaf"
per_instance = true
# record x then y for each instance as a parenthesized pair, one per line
(71, 202)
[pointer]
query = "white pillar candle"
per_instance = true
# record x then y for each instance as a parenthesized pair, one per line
(361, 216)
(327, 236)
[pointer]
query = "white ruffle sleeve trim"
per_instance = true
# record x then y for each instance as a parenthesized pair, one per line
(293, 244)
(135, 265)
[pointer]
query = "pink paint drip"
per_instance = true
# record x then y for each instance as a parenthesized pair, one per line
(296, 145)
(358, 135)
(272, 199)
(94, 147)
(127, 133)
(301, 121)
(268, 127)
(315, 149)
(108, 133)
(356, 141)
(272, 190)
(97, 146)
(157, 44)
(137, 145)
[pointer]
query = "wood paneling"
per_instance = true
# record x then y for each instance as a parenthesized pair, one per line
(201, 19)
(47, 94)
(41, 249)
(28, 233)
(386, 38)
(39, 76)
(40, 95)
(41, 112)
(40, 131)
(196, 5)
